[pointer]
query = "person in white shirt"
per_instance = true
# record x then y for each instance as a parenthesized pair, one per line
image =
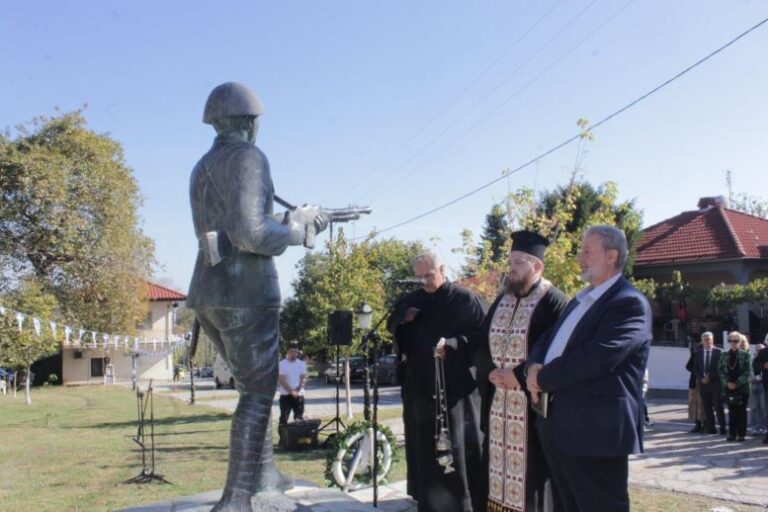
(291, 381)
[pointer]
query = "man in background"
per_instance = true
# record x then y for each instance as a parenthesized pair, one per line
(291, 380)
(705, 364)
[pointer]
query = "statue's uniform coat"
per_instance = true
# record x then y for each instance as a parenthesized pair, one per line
(237, 301)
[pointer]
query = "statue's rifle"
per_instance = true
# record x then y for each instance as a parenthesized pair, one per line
(333, 214)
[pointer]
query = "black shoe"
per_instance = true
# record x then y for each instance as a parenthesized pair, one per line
(740, 439)
(696, 430)
(730, 438)
(765, 440)
(723, 432)
(712, 431)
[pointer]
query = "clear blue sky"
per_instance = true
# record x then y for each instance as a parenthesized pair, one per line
(347, 83)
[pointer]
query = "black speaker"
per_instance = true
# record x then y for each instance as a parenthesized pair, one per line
(340, 328)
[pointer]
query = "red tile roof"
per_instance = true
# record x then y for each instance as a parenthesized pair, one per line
(711, 234)
(157, 292)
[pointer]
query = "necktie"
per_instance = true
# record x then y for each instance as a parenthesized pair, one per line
(706, 362)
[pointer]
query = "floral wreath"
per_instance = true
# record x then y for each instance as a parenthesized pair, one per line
(339, 441)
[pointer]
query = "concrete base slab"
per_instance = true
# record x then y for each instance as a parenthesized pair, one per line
(305, 497)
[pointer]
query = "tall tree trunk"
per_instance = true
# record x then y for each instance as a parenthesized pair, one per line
(27, 394)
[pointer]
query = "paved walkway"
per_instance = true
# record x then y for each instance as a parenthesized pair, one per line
(319, 401)
(673, 460)
(699, 464)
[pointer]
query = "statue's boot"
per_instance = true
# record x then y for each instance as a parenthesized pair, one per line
(271, 478)
(250, 425)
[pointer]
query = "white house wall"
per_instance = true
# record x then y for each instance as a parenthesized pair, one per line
(78, 371)
(160, 320)
(666, 367)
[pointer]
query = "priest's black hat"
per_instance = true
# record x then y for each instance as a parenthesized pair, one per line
(530, 243)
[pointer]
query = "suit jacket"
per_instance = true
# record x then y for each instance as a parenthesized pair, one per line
(596, 384)
(231, 192)
(714, 363)
(758, 365)
(743, 365)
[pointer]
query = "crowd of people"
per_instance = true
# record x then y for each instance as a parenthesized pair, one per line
(736, 378)
(545, 396)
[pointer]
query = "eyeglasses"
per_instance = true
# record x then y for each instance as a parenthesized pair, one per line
(733, 341)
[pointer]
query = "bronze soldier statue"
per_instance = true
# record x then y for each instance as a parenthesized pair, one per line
(234, 289)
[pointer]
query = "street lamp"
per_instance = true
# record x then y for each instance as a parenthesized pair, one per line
(364, 316)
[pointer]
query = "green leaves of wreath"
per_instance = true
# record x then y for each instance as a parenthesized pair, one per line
(340, 441)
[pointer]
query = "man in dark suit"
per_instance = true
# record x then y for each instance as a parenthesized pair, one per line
(705, 362)
(589, 367)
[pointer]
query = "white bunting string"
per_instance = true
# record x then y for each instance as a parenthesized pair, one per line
(131, 344)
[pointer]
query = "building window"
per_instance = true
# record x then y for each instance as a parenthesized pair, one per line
(97, 367)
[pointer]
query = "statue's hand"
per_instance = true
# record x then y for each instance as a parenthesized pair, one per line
(305, 214)
(321, 222)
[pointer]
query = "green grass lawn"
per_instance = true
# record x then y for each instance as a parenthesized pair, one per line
(71, 450)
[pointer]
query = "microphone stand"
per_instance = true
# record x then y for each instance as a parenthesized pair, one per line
(373, 336)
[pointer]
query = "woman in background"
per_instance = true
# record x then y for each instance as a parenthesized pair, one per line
(734, 369)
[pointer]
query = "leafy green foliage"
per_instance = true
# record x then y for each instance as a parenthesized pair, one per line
(343, 277)
(69, 217)
(753, 205)
(18, 349)
(562, 215)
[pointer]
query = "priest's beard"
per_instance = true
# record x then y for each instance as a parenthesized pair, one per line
(518, 284)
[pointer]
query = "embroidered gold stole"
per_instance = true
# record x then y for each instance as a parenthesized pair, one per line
(508, 339)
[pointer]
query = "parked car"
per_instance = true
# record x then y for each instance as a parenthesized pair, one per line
(206, 372)
(356, 368)
(387, 373)
(221, 374)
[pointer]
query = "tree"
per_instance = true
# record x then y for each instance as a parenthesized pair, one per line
(562, 215)
(495, 232)
(342, 278)
(69, 217)
(20, 347)
(753, 205)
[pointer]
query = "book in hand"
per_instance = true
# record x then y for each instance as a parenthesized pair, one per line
(541, 407)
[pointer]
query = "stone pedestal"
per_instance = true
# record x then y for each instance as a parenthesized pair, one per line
(305, 497)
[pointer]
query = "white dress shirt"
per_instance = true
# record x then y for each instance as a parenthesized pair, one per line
(586, 298)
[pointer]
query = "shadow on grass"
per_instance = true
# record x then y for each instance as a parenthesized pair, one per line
(175, 420)
(191, 432)
(301, 456)
(193, 448)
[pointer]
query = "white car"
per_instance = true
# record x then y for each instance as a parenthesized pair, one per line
(221, 374)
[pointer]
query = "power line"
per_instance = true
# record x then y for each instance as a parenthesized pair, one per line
(487, 95)
(509, 171)
(508, 98)
(455, 99)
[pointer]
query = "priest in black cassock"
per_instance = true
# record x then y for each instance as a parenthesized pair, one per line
(518, 476)
(420, 319)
